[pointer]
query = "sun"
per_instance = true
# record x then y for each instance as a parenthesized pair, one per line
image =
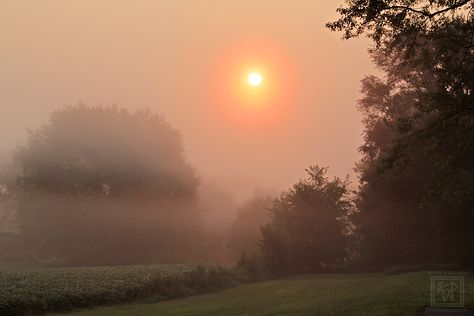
(254, 79)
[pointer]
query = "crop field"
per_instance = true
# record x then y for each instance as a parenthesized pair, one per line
(303, 295)
(43, 290)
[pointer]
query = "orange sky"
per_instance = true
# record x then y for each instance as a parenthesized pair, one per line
(180, 58)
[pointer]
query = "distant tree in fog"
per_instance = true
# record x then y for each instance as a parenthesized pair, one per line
(245, 232)
(8, 216)
(107, 151)
(102, 185)
(219, 206)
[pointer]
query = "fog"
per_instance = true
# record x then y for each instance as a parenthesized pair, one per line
(152, 150)
(164, 55)
(131, 127)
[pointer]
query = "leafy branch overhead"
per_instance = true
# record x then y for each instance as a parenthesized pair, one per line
(385, 19)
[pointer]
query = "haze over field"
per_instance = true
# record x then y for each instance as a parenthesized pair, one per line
(151, 150)
(178, 58)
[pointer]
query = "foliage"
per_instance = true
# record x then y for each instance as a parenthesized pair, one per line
(252, 265)
(43, 290)
(386, 20)
(416, 173)
(99, 185)
(244, 233)
(8, 201)
(107, 152)
(308, 230)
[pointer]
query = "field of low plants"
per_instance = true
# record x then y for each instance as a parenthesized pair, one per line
(61, 289)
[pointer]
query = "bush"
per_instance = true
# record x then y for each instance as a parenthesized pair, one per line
(251, 266)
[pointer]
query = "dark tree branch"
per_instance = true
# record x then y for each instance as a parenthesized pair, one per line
(427, 13)
(441, 120)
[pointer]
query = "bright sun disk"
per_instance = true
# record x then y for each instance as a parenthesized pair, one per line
(254, 79)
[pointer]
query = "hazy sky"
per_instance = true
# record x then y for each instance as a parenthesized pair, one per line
(177, 57)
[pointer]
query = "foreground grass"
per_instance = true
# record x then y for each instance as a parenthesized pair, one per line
(316, 294)
(35, 291)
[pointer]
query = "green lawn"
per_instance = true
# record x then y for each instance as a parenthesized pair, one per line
(315, 294)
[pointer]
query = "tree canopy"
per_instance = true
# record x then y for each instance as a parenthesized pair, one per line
(307, 231)
(416, 173)
(103, 185)
(107, 151)
(244, 232)
(384, 20)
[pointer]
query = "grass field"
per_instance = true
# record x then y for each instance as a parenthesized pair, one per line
(34, 291)
(304, 295)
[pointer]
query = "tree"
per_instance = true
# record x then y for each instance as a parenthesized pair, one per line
(8, 204)
(106, 151)
(307, 231)
(102, 185)
(416, 189)
(391, 223)
(386, 20)
(245, 230)
(416, 172)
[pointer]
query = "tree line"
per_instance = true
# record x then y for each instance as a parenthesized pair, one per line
(415, 199)
(102, 185)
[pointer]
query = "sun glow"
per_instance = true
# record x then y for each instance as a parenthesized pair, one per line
(254, 79)
(253, 84)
